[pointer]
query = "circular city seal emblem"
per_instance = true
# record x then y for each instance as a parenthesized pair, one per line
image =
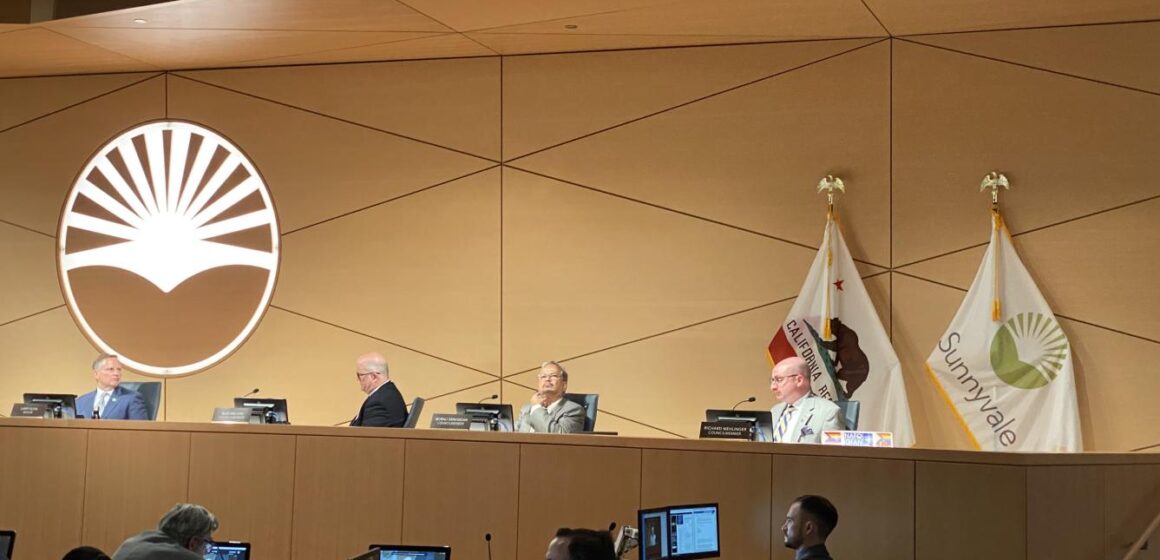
(168, 248)
(1029, 350)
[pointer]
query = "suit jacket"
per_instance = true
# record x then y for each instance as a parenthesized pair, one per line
(383, 408)
(153, 545)
(817, 415)
(123, 405)
(568, 417)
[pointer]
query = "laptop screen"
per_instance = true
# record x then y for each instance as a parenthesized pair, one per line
(404, 552)
(679, 532)
(229, 551)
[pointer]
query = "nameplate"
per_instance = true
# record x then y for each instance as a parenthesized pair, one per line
(223, 415)
(450, 422)
(858, 439)
(34, 410)
(727, 430)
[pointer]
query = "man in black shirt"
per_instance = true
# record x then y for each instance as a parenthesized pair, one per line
(807, 524)
(384, 406)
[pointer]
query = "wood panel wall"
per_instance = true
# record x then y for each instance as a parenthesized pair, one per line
(327, 493)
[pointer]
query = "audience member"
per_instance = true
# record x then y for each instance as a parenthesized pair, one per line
(581, 544)
(184, 533)
(808, 523)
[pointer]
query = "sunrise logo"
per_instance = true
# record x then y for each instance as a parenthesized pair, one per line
(168, 247)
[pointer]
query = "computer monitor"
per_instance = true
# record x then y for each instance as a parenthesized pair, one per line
(59, 406)
(679, 532)
(409, 552)
(228, 550)
(7, 543)
(487, 416)
(763, 419)
(270, 411)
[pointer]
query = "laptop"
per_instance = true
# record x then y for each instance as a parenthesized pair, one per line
(229, 550)
(408, 552)
(7, 543)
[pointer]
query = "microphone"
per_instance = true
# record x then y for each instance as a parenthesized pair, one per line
(493, 397)
(750, 399)
(612, 527)
(250, 393)
(487, 536)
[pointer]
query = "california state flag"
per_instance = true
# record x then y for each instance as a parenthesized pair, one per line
(1004, 364)
(833, 327)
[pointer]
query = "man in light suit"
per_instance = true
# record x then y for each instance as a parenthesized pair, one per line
(384, 406)
(549, 411)
(800, 417)
(110, 401)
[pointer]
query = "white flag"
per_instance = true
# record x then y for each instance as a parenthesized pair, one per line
(1004, 364)
(833, 327)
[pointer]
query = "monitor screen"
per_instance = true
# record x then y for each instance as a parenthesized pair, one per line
(679, 532)
(271, 411)
(487, 416)
(763, 419)
(7, 543)
(407, 552)
(231, 550)
(60, 406)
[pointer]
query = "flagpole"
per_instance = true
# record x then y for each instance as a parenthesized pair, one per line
(994, 180)
(829, 183)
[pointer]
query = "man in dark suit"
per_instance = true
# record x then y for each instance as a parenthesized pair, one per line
(384, 406)
(110, 401)
(807, 525)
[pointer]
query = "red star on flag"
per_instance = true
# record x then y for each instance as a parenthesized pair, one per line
(838, 285)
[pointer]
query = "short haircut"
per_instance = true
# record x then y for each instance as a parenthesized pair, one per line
(821, 510)
(100, 361)
(186, 521)
(563, 372)
(376, 365)
(85, 553)
(588, 544)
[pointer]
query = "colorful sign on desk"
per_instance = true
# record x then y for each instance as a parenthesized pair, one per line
(858, 439)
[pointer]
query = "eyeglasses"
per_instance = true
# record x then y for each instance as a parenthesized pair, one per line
(209, 545)
(779, 378)
(544, 376)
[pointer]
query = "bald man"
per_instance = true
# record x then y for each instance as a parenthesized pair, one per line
(800, 417)
(384, 406)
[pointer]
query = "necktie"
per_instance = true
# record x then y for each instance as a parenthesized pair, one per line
(104, 401)
(783, 423)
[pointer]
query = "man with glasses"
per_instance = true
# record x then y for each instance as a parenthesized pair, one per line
(800, 417)
(549, 411)
(384, 406)
(185, 533)
(110, 401)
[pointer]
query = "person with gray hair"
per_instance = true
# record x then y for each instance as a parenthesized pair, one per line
(800, 417)
(111, 401)
(549, 411)
(384, 406)
(184, 533)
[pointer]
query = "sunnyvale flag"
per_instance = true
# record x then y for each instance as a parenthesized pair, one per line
(833, 327)
(1004, 364)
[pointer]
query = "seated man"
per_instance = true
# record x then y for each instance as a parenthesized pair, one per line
(549, 411)
(581, 544)
(182, 534)
(807, 525)
(384, 406)
(110, 401)
(800, 417)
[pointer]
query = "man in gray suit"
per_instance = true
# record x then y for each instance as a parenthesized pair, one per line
(800, 417)
(184, 533)
(549, 411)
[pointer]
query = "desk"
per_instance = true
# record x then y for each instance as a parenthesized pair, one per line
(316, 493)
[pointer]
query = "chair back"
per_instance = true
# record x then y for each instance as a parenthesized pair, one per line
(589, 402)
(850, 410)
(413, 415)
(150, 391)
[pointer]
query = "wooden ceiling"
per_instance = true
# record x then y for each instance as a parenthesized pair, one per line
(186, 34)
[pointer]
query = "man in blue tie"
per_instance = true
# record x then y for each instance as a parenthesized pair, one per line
(800, 417)
(110, 401)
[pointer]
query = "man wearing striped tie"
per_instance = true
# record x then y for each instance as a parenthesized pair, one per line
(800, 417)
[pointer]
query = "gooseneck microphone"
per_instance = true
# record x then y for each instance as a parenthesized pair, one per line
(491, 398)
(255, 391)
(487, 537)
(750, 399)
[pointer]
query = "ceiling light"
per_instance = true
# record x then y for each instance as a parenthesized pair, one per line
(140, 21)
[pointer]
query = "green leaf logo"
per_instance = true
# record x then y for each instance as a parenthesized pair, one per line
(1029, 350)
